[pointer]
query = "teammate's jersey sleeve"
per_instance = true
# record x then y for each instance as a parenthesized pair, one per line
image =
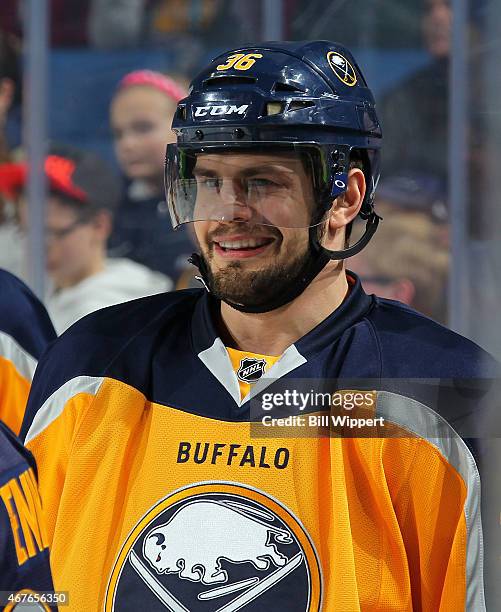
(24, 555)
(25, 331)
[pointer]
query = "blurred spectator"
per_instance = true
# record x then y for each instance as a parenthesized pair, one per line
(187, 27)
(183, 16)
(83, 192)
(11, 249)
(67, 20)
(407, 260)
(413, 271)
(414, 116)
(116, 23)
(141, 117)
(416, 191)
(10, 86)
(381, 24)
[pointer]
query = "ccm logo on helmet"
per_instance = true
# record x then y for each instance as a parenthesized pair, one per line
(221, 109)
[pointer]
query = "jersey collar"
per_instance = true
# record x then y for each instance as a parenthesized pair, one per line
(353, 308)
(211, 350)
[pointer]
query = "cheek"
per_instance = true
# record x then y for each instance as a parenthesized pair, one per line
(69, 254)
(199, 233)
(61, 258)
(119, 147)
(154, 142)
(294, 242)
(77, 250)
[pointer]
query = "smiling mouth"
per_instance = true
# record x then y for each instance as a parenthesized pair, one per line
(245, 244)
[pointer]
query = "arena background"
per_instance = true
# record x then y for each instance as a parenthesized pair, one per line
(75, 51)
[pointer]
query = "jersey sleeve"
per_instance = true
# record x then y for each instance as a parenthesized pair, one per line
(25, 332)
(435, 486)
(24, 552)
(52, 431)
(16, 372)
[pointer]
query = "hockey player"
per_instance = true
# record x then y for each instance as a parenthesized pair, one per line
(164, 486)
(24, 553)
(25, 332)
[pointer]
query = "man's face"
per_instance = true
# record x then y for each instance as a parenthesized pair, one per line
(141, 120)
(437, 27)
(71, 244)
(250, 262)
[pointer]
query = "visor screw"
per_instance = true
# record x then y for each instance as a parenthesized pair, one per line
(238, 133)
(199, 135)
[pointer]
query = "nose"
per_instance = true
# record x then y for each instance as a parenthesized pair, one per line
(126, 142)
(233, 197)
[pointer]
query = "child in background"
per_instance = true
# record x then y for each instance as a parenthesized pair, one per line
(83, 193)
(141, 116)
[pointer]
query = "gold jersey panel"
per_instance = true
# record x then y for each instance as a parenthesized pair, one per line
(15, 389)
(169, 510)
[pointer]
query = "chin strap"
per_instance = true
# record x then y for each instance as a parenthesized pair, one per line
(319, 257)
(370, 229)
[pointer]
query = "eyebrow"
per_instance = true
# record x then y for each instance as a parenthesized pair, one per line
(262, 168)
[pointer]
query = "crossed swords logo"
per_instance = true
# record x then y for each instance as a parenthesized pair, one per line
(255, 587)
(342, 68)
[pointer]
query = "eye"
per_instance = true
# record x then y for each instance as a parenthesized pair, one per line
(210, 182)
(261, 186)
(261, 182)
(142, 127)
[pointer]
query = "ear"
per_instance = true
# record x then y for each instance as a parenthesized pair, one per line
(346, 207)
(103, 223)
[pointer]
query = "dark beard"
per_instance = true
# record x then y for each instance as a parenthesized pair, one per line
(256, 287)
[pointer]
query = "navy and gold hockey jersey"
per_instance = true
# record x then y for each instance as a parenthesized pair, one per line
(24, 554)
(159, 495)
(25, 331)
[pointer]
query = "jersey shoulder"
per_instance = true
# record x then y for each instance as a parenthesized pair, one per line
(117, 342)
(105, 333)
(23, 317)
(413, 345)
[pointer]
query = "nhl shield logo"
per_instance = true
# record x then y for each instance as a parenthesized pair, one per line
(251, 369)
(216, 547)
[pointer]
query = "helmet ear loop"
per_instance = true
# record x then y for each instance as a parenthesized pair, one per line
(366, 212)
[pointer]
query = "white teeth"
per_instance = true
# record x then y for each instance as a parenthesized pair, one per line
(242, 244)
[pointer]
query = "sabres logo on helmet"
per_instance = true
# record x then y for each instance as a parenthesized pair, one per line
(342, 68)
(212, 547)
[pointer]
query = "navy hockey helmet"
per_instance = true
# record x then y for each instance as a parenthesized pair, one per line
(309, 99)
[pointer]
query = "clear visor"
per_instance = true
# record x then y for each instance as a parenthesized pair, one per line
(267, 186)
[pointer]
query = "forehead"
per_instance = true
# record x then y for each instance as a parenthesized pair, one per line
(142, 99)
(430, 4)
(288, 162)
(58, 211)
